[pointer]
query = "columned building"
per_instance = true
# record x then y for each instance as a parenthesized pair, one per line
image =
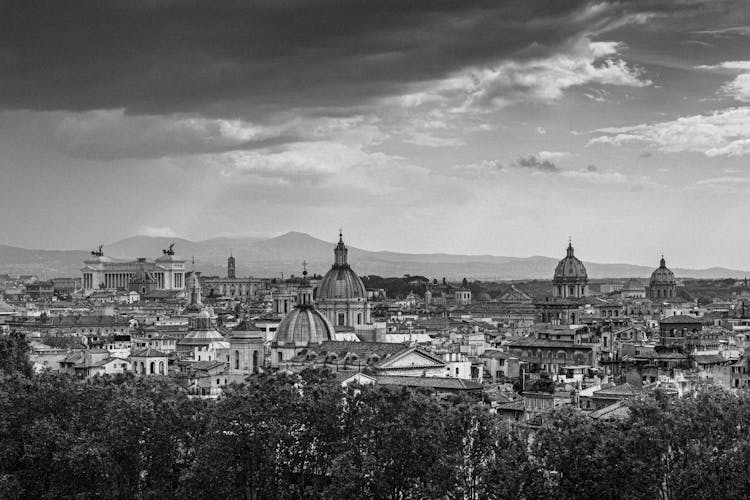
(570, 280)
(341, 295)
(662, 285)
(100, 271)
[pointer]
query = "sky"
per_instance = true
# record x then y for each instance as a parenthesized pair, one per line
(460, 126)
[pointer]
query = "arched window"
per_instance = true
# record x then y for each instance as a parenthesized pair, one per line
(143, 368)
(161, 367)
(236, 360)
(255, 361)
(359, 318)
(281, 356)
(152, 367)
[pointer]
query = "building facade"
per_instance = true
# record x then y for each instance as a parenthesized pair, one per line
(167, 272)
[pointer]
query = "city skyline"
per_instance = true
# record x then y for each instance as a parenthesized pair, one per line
(496, 128)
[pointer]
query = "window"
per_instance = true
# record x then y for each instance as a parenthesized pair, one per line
(341, 319)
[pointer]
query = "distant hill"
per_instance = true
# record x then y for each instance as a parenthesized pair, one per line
(268, 257)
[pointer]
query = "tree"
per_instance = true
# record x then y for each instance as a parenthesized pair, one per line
(14, 354)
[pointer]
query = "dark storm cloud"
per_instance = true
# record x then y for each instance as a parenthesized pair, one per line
(264, 55)
(535, 163)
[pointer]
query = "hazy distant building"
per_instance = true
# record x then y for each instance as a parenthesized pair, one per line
(231, 267)
(341, 294)
(570, 279)
(662, 285)
(633, 289)
(100, 271)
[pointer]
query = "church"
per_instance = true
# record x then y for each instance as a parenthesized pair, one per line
(341, 295)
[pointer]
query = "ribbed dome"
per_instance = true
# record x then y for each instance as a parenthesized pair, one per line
(662, 275)
(204, 338)
(303, 326)
(570, 269)
(341, 282)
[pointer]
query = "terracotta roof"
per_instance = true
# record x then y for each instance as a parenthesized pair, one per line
(680, 318)
(429, 382)
(147, 353)
(205, 365)
(531, 342)
(617, 410)
(619, 390)
(709, 359)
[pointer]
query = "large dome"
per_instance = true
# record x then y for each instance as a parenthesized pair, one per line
(303, 326)
(570, 269)
(662, 275)
(341, 282)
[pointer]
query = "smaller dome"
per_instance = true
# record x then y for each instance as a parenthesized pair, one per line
(204, 314)
(303, 326)
(204, 338)
(484, 297)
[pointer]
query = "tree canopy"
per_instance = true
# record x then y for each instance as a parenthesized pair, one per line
(280, 435)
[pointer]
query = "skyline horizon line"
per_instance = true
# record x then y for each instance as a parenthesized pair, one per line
(593, 261)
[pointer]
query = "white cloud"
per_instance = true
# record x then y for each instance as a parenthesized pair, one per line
(553, 155)
(722, 133)
(739, 88)
(164, 231)
(543, 79)
(732, 65)
(111, 133)
(429, 140)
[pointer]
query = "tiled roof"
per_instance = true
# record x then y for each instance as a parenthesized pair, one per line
(709, 359)
(617, 410)
(205, 365)
(532, 342)
(618, 390)
(517, 405)
(680, 318)
(429, 382)
(495, 354)
(147, 353)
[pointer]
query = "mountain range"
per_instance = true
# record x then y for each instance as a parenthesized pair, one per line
(269, 257)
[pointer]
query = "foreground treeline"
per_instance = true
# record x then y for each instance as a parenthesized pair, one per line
(282, 436)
